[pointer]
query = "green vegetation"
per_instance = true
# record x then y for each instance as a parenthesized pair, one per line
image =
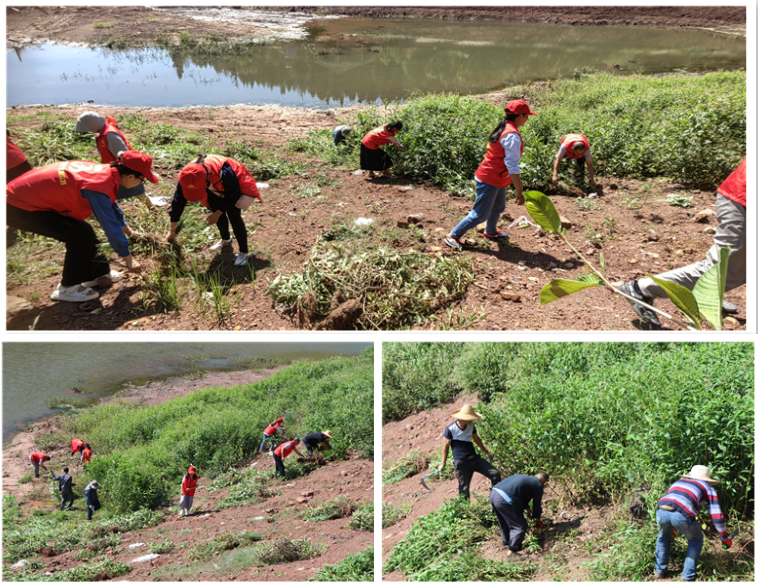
(339, 507)
(354, 567)
(397, 290)
(161, 548)
(363, 518)
(250, 488)
(391, 514)
(222, 542)
(409, 464)
(286, 550)
(443, 546)
(603, 419)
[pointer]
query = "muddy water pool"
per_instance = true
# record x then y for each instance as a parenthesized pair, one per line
(344, 61)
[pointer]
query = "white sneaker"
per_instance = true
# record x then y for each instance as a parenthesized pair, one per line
(105, 280)
(220, 244)
(241, 259)
(74, 294)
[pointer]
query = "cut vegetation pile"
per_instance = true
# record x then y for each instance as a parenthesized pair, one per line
(612, 423)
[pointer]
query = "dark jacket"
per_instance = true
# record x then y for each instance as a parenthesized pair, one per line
(90, 496)
(65, 482)
(522, 489)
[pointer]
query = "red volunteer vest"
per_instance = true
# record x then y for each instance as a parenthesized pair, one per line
(189, 485)
(377, 137)
(213, 164)
(271, 429)
(106, 156)
(493, 171)
(75, 444)
(37, 457)
(735, 186)
(285, 449)
(568, 142)
(86, 455)
(57, 187)
(14, 156)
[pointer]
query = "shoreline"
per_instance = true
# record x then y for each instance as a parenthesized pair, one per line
(21, 444)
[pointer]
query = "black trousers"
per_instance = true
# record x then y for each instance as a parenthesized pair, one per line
(67, 500)
(234, 216)
(279, 465)
(82, 261)
(511, 521)
(464, 471)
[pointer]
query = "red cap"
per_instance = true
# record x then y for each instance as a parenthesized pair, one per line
(519, 107)
(192, 178)
(191, 469)
(140, 162)
(280, 420)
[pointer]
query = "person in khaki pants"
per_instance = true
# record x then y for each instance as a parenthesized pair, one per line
(461, 437)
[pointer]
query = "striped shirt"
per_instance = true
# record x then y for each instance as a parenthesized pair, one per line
(686, 496)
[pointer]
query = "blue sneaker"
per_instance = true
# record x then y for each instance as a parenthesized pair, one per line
(454, 243)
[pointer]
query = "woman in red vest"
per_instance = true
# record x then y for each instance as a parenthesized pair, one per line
(55, 200)
(271, 430)
(110, 141)
(86, 454)
(189, 484)
(496, 172)
(38, 460)
(77, 446)
(224, 186)
(577, 147)
(731, 207)
(281, 453)
(374, 158)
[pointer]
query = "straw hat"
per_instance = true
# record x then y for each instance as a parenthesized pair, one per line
(328, 433)
(467, 413)
(702, 473)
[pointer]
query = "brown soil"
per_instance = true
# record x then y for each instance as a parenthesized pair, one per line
(572, 536)
(283, 241)
(281, 514)
(144, 25)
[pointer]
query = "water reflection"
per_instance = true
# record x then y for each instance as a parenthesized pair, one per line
(356, 60)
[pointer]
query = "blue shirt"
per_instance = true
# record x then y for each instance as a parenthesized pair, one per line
(111, 219)
(522, 489)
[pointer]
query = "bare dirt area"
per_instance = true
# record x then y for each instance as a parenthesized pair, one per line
(630, 223)
(276, 517)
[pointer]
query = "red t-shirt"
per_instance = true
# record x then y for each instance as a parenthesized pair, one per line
(377, 137)
(735, 186)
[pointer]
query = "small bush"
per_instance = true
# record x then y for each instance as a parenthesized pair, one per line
(26, 478)
(100, 544)
(354, 567)
(227, 541)
(363, 518)
(161, 548)
(100, 571)
(392, 514)
(339, 507)
(409, 464)
(286, 550)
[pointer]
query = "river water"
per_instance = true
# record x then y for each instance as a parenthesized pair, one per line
(344, 61)
(34, 373)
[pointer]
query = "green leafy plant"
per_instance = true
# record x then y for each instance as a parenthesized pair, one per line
(679, 200)
(354, 567)
(339, 507)
(161, 548)
(409, 464)
(222, 542)
(287, 550)
(702, 303)
(392, 514)
(363, 518)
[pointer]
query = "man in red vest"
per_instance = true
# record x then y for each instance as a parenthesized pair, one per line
(38, 460)
(281, 453)
(268, 434)
(109, 140)
(731, 202)
(577, 147)
(189, 484)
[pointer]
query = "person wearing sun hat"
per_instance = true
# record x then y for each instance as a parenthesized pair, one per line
(317, 441)
(224, 186)
(55, 200)
(460, 436)
(498, 170)
(677, 511)
(189, 484)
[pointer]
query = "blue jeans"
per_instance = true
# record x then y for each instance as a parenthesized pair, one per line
(690, 528)
(489, 204)
(266, 439)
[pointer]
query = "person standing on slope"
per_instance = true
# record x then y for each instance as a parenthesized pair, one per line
(189, 485)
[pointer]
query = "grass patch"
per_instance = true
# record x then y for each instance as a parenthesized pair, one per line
(392, 514)
(354, 567)
(409, 464)
(363, 518)
(287, 550)
(101, 25)
(250, 489)
(161, 548)
(339, 507)
(227, 541)
(397, 290)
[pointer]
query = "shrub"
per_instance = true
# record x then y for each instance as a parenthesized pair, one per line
(286, 550)
(363, 518)
(161, 548)
(222, 542)
(409, 464)
(339, 507)
(391, 514)
(354, 567)
(99, 571)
